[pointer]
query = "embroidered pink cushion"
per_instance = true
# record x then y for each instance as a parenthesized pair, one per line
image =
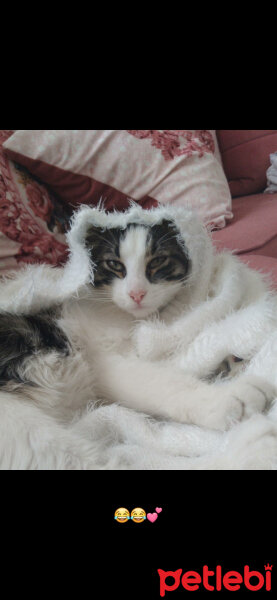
(32, 221)
(181, 167)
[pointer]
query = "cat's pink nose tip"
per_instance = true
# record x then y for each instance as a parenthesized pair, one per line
(137, 296)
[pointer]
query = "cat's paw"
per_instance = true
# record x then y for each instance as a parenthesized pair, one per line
(255, 394)
(223, 405)
(211, 411)
(147, 339)
(222, 413)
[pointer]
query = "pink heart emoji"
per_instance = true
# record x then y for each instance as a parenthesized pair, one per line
(158, 510)
(152, 517)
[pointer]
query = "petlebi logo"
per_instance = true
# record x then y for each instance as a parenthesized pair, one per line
(216, 580)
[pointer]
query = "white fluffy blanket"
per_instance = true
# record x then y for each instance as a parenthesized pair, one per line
(113, 437)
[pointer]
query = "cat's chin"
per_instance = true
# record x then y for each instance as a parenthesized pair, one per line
(140, 312)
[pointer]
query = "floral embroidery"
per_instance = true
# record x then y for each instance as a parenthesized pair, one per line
(177, 142)
(39, 201)
(28, 225)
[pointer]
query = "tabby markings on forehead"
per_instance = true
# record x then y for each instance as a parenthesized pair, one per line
(161, 242)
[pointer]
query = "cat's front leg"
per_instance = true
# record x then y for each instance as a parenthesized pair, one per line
(159, 389)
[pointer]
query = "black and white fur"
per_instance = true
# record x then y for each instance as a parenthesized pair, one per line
(24, 336)
(154, 318)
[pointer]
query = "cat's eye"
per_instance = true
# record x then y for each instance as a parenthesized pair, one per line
(115, 265)
(157, 262)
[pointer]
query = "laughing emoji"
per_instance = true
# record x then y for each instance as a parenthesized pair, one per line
(122, 515)
(138, 515)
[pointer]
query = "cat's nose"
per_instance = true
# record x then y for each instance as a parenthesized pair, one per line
(138, 296)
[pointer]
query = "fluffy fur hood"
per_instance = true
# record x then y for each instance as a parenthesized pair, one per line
(192, 234)
(37, 287)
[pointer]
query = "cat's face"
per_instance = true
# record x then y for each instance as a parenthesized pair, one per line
(139, 268)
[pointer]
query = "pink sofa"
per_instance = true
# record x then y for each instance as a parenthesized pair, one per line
(252, 233)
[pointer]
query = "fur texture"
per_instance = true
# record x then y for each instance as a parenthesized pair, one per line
(149, 318)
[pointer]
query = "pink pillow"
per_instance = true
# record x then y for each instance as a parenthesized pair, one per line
(32, 222)
(181, 167)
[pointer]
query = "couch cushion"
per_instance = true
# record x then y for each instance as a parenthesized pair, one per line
(245, 156)
(170, 166)
(265, 264)
(253, 228)
(32, 220)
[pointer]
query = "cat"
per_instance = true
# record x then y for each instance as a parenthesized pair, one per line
(165, 325)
